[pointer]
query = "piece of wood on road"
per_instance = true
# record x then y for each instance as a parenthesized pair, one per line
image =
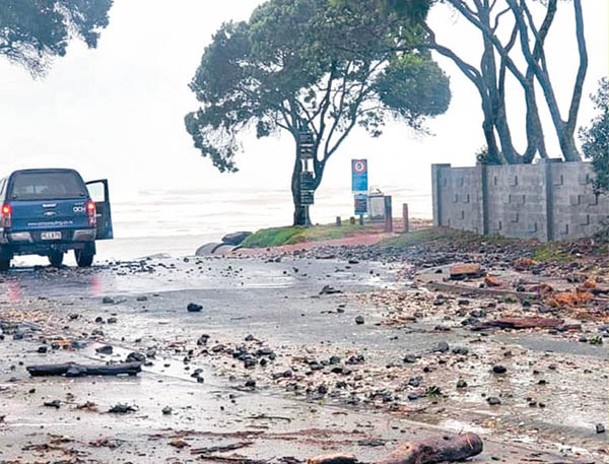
(520, 323)
(444, 448)
(465, 271)
(81, 370)
(334, 458)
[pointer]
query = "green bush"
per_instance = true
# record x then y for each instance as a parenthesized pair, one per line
(595, 138)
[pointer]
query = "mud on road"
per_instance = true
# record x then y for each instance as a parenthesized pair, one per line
(293, 354)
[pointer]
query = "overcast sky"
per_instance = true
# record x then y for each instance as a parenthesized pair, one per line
(117, 111)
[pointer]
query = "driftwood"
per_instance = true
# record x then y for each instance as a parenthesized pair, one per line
(81, 370)
(447, 448)
(520, 323)
(335, 458)
(221, 448)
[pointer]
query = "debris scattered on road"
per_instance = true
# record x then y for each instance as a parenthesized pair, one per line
(600, 428)
(466, 271)
(80, 370)
(334, 458)
(221, 448)
(194, 308)
(105, 349)
(519, 323)
(121, 408)
(329, 290)
(445, 448)
(52, 404)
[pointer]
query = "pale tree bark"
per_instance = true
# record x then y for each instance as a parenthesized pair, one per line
(490, 78)
(480, 17)
(564, 128)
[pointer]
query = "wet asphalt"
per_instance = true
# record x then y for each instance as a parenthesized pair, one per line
(282, 303)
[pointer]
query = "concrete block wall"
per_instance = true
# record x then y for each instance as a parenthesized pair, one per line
(577, 211)
(544, 201)
(516, 201)
(460, 199)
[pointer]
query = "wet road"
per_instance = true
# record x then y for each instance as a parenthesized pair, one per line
(280, 304)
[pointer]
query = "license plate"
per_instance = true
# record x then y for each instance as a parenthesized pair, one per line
(50, 235)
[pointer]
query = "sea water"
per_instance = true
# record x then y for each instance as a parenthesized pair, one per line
(175, 222)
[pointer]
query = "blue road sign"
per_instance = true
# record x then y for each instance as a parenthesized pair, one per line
(359, 175)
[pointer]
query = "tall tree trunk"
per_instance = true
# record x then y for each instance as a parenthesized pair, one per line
(488, 69)
(565, 130)
(301, 212)
(570, 125)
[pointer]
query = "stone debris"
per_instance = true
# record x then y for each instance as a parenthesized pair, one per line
(194, 308)
(466, 271)
(439, 353)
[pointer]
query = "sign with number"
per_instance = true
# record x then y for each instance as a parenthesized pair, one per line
(359, 175)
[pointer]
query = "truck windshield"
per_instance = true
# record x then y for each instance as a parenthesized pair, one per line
(46, 186)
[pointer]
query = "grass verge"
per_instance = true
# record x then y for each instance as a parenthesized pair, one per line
(278, 236)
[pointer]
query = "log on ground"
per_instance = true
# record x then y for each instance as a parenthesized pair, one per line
(81, 370)
(334, 458)
(445, 448)
(520, 323)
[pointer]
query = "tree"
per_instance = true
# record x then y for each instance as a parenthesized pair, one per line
(289, 68)
(595, 138)
(32, 32)
(502, 25)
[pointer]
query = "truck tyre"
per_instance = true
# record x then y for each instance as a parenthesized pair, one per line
(5, 264)
(84, 257)
(5, 258)
(56, 258)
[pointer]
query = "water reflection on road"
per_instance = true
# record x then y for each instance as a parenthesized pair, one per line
(173, 274)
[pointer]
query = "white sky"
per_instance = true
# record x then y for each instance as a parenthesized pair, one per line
(117, 111)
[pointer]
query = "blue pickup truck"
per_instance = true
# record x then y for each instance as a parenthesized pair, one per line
(49, 212)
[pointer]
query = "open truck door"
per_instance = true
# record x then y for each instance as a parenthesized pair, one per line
(100, 194)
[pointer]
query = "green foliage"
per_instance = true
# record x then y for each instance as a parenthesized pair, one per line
(551, 252)
(598, 340)
(433, 392)
(279, 236)
(326, 65)
(32, 32)
(595, 138)
(414, 86)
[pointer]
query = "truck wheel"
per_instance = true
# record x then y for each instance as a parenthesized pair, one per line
(5, 264)
(56, 258)
(84, 258)
(6, 254)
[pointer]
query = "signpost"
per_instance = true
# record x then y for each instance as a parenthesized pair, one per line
(359, 187)
(306, 153)
(359, 175)
(360, 201)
